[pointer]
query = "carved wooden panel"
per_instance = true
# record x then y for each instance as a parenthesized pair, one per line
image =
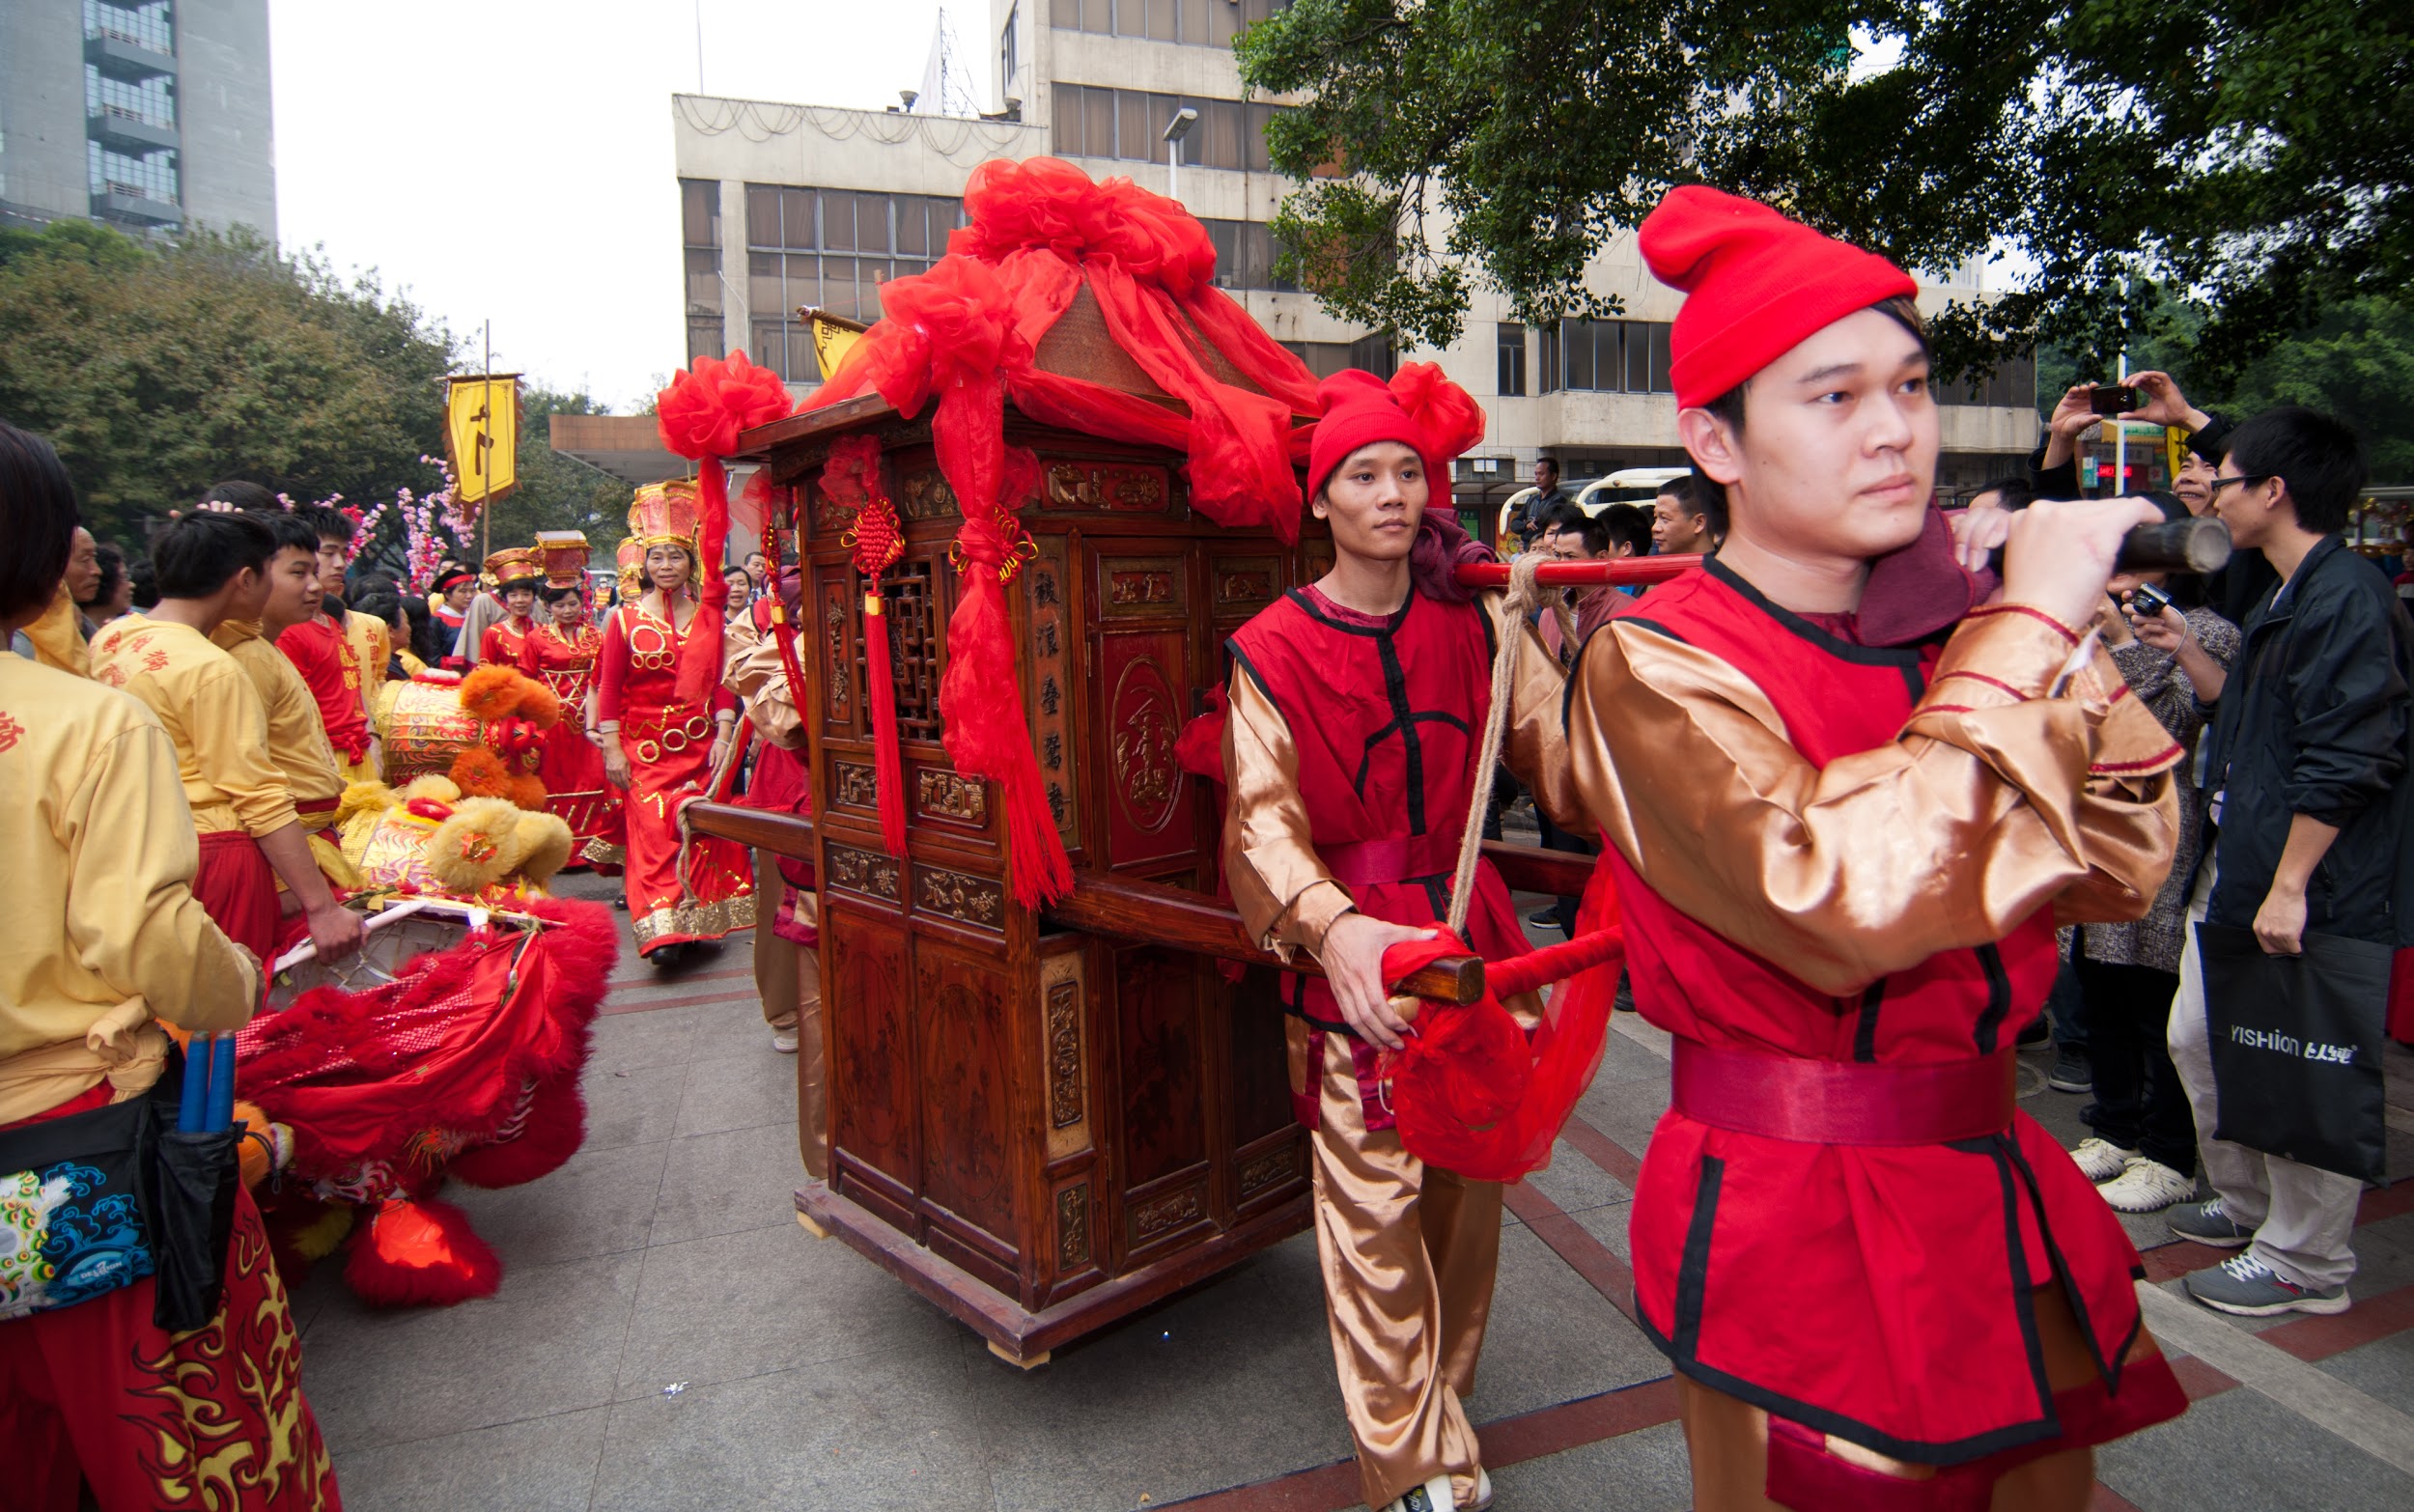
(1149, 813)
(1064, 1052)
(1072, 1250)
(966, 1154)
(830, 519)
(1318, 554)
(1118, 487)
(924, 495)
(960, 896)
(1161, 1075)
(866, 872)
(913, 639)
(871, 1064)
(1134, 587)
(836, 656)
(1271, 1169)
(1244, 584)
(941, 793)
(1051, 692)
(853, 784)
(1157, 1216)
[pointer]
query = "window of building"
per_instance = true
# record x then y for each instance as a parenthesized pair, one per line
(150, 176)
(1092, 121)
(1511, 344)
(1007, 63)
(1324, 358)
(1194, 23)
(700, 246)
(2012, 385)
(141, 24)
(830, 249)
(1605, 356)
(1245, 255)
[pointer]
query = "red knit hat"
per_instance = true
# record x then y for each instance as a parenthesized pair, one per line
(1756, 286)
(1418, 409)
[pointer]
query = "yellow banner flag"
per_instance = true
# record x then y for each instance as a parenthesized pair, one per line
(833, 337)
(482, 430)
(2174, 448)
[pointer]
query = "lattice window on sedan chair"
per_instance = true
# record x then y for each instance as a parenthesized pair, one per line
(913, 648)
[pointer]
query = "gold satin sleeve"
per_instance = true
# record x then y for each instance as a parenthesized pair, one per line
(753, 672)
(1284, 892)
(1535, 744)
(1994, 800)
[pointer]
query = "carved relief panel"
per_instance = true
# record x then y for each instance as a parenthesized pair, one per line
(1149, 813)
(833, 636)
(1051, 689)
(1112, 487)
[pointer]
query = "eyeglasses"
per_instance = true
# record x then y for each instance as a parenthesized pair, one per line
(2213, 490)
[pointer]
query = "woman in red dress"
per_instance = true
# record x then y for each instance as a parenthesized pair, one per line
(662, 750)
(561, 653)
(517, 575)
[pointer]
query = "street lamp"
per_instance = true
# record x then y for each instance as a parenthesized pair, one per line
(1175, 129)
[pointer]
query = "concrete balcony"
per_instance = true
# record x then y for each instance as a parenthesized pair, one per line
(120, 56)
(128, 134)
(125, 202)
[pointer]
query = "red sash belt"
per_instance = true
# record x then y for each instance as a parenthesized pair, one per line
(1370, 863)
(317, 808)
(1842, 1102)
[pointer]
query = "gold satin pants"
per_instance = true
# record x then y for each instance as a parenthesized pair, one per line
(789, 979)
(1408, 1253)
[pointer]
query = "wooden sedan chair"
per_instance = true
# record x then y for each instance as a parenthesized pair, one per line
(1044, 1122)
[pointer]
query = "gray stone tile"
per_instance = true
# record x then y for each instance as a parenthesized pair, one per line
(1575, 1183)
(1626, 1111)
(1552, 1337)
(2242, 1449)
(599, 1202)
(1229, 1384)
(877, 1432)
(1624, 1058)
(631, 1104)
(1608, 1225)
(631, 1041)
(1641, 1471)
(728, 1182)
(308, 1298)
(2383, 1369)
(548, 1342)
(768, 1299)
(736, 1028)
(738, 1092)
(542, 1464)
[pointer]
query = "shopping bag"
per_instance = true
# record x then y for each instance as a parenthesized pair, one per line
(2296, 1045)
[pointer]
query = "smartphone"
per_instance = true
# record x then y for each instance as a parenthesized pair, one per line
(2147, 602)
(2111, 399)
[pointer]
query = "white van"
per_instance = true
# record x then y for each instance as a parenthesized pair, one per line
(1626, 486)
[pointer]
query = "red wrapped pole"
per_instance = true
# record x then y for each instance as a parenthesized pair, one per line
(1600, 571)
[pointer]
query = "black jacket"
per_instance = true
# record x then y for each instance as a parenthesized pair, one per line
(2314, 720)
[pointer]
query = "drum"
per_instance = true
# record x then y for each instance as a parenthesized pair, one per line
(425, 727)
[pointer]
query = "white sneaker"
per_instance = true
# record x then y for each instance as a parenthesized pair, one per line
(784, 1038)
(1434, 1495)
(2100, 1161)
(2146, 1186)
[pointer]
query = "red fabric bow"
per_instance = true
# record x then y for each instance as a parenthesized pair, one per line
(700, 418)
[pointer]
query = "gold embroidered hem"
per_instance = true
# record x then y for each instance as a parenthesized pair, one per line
(603, 852)
(694, 921)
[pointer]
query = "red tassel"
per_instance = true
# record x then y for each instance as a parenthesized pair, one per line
(887, 767)
(988, 737)
(700, 658)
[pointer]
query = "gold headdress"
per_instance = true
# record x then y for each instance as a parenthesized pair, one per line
(564, 555)
(630, 559)
(514, 566)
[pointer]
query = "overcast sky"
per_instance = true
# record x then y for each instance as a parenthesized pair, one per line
(510, 160)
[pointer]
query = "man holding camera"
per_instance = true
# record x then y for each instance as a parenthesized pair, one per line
(2308, 764)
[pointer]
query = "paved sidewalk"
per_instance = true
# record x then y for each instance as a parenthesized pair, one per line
(667, 1337)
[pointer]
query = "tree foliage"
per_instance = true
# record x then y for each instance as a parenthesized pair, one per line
(2254, 152)
(160, 370)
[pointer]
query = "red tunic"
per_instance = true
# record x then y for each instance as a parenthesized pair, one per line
(501, 644)
(669, 747)
(1386, 713)
(324, 656)
(570, 765)
(1880, 1293)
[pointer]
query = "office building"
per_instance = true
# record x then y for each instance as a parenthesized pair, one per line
(789, 205)
(149, 115)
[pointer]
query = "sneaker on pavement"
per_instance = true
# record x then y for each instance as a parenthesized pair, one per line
(1434, 1495)
(2246, 1286)
(2146, 1186)
(784, 1041)
(2210, 1223)
(2072, 1073)
(1544, 918)
(2100, 1161)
